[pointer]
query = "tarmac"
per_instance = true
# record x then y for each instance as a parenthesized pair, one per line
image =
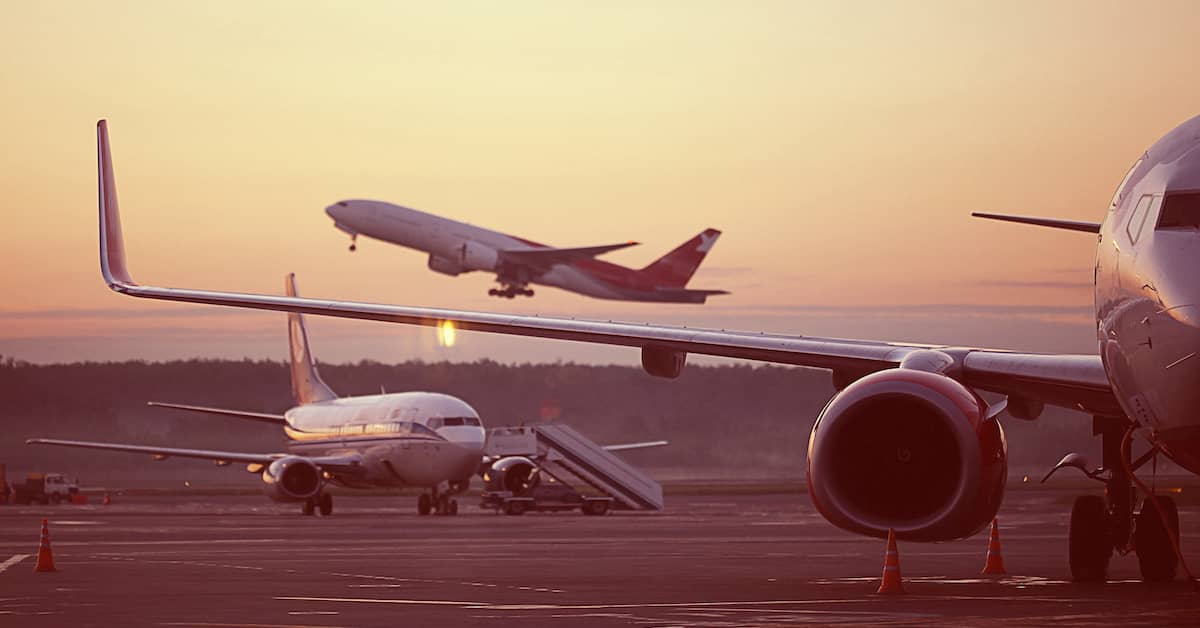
(764, 560)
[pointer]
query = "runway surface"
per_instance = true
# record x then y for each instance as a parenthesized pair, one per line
(706, 561)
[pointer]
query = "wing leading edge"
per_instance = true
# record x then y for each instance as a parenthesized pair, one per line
(1073, 381)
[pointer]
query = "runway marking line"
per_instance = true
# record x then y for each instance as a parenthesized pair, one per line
(16, 558)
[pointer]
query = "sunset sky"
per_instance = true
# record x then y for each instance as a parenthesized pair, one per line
(840, 146)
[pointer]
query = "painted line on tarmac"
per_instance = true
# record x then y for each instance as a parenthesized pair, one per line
(16, 558)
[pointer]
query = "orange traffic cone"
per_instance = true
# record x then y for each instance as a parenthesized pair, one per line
(107, 499)
(995, 562)
(45, 560)
(891, 583)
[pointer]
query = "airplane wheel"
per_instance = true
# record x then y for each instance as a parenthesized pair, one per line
(326, 504)
(514, 508)
(424, 504)
(1090, 545)
(1156, 555)
(308, 508)
(452, 507)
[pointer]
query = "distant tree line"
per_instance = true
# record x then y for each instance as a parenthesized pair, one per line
(743, 421)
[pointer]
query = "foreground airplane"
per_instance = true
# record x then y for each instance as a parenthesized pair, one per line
(908, 443)
(455, 248)
(420, 439)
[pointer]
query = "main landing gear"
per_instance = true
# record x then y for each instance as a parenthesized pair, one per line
(438, 503)
(322, 502)
(354, 243)
(508, 292)
(1119, 520)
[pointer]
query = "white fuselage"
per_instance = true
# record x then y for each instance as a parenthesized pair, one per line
(405, 439)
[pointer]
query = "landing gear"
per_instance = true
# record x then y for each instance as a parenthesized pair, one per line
(510, 291)
(1090, 543)
(1155, 550)
(354, 243)
(321, 502)
(437, 503)
(1102, 525)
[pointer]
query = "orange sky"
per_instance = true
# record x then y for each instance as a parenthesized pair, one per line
(840, 146)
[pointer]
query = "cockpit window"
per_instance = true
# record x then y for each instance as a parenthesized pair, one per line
(1181, 211)
(1146, 206)
(1116, 199)
(454, 421)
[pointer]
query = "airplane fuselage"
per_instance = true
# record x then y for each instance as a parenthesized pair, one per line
(404, 439)
(1147, 288)
(456, 247)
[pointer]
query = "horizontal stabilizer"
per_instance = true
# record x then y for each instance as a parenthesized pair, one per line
(277, 419)
(545, 258)
(684, 295)
(1073, 225)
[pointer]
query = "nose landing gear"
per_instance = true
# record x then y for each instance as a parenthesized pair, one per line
(1114, 522)
(354, 243)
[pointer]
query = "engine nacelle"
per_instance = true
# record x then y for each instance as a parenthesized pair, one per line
(292, 479)
(908, 450)
(445, 266)
(661, 362)
(475, 256)
(515, 474)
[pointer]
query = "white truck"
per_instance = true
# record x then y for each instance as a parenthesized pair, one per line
(45, 488)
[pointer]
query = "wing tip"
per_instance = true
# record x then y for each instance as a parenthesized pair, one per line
(112, 242)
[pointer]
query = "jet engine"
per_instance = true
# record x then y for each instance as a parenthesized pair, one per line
(908, 450)
(445, 266)
(475, 256)
(292, 479)
(515, 474)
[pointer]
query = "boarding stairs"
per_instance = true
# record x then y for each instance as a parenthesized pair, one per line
(562, 450)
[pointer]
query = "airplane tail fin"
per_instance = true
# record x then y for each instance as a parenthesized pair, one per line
(674, 269)
(307, 385)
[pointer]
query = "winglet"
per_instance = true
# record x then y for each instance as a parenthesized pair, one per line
(112, 243)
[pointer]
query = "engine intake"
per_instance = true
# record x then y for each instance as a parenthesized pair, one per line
(291, 479)
(515, 474)
(907, 450)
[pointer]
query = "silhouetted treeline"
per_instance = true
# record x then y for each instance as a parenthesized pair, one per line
(722, 421)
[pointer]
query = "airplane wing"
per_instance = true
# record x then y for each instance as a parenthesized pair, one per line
(335, 464)
(545, 258)
(1075, 381)
(631, 446)
(277, 419)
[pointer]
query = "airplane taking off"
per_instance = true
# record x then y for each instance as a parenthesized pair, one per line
(907, 443)
(420, 439)
(455, 248)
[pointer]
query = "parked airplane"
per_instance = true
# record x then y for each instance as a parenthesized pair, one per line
(908, 443)
(455, 248)
(420, 439)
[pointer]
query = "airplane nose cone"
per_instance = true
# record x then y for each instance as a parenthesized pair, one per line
(337, 210)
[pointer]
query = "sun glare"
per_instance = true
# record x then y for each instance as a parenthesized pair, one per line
(445, 333)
